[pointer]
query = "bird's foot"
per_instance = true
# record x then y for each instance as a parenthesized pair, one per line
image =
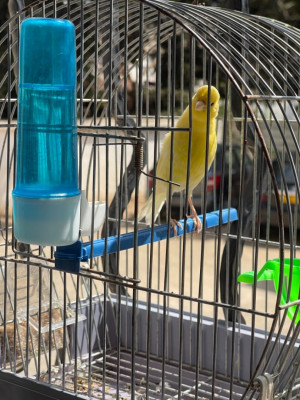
(194, 215)
(197, 222)
(174, 223)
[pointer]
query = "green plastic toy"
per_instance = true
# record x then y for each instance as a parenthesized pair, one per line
(271, 272)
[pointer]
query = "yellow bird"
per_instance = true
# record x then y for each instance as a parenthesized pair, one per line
(180, 154)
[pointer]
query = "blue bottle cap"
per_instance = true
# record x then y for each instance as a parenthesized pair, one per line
(47, 52)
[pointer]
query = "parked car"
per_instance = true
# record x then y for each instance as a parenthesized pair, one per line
(232, 174)
(269, 211)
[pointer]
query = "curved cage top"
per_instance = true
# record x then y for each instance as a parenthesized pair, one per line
(260, 56)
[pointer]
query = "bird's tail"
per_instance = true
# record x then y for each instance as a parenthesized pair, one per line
(146, 211)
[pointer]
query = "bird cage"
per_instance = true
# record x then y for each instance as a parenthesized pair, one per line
(144, 312)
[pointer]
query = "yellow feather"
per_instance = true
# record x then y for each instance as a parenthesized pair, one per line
(180, 150)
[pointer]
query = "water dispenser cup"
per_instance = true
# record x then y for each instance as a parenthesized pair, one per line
(47, 222)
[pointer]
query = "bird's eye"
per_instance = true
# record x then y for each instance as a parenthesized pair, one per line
(212, 104)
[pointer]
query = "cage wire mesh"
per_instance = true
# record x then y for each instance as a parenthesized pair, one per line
(168, 319)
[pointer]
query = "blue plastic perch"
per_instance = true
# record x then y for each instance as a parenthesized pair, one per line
(68, 258)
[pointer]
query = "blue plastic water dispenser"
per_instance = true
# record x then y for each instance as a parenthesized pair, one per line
(46, 197)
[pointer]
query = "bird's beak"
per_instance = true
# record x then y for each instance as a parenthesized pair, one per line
(200, 105)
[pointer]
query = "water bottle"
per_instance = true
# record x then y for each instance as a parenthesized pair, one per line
(46, 197)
